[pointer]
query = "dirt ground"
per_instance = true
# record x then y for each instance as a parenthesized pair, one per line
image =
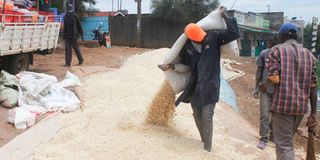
(244, 87)
(53, 64)
(115, 57)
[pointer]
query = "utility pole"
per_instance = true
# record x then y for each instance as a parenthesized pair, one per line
(268, 6)
(120, 5)
(138, 35)
(234, 3)
(112, 5)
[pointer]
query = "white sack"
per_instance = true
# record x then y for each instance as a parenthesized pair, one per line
(8, 95)
(178, 81)
(36, 83)
(21, 118)
(60, 99)
(70, 80)
(45, 94)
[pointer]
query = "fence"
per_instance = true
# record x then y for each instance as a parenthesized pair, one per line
(91, 23)
(155, 32)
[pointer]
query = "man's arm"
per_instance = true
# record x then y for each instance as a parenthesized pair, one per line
(313, 100)
(232, 31)
(313, 93)
(64, 28)
(258, 80)
(79, 26)
(259, 74)
(181, 68)
(312, 119)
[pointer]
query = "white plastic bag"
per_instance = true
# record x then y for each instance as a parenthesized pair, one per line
(36, 83)
(21, 118)
(70, 80)
(44, 94)
(60, 99)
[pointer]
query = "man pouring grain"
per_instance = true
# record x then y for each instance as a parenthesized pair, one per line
(202, 54)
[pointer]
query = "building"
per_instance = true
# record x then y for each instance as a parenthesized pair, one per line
(277, 19)
(255, 31)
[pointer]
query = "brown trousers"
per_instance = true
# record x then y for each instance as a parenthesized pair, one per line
(284, 128)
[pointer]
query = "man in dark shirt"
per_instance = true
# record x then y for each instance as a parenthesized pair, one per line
(72, 31)
(265, 88)
(202, 54)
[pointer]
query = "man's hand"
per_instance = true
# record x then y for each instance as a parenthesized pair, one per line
(256, 93)
(165, 67)
(223, 12)
(312, 121)
(82, 39)
(263, 87)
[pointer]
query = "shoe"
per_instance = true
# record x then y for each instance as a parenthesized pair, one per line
(271, 137)
(262, 145)
(66, 65)
(80, 62)
(207, 149)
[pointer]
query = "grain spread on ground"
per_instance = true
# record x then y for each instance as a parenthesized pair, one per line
(112, 125)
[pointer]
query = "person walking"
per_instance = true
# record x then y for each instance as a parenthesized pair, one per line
(292, 69)
(72, 31)
(202, 54)
(265, 88)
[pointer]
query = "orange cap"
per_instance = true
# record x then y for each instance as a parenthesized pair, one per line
(194, 32)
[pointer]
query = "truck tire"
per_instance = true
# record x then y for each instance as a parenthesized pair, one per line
(18, 63)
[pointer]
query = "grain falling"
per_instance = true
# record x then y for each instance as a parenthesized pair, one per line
(162, 106)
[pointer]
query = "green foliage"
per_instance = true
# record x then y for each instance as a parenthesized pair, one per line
(183, 10)
(57, 4)
(81, 5)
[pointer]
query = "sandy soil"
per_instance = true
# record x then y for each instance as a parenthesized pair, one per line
(112, 125)
(126, 129)
(96, 59)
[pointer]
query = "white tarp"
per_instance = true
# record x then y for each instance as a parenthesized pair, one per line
(40, 93)
(228, 72)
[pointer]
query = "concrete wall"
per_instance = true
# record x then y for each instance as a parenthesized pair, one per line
(275, 18)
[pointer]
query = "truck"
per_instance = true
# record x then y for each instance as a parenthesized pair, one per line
(22, 36)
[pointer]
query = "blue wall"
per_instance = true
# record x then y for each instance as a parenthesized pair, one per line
(91, 23)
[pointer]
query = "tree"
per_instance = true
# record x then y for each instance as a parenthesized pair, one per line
(307, 36)
(81, 5)
(183, 10)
